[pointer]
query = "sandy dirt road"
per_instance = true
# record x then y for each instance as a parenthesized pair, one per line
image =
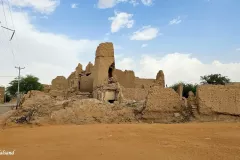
(124, 141)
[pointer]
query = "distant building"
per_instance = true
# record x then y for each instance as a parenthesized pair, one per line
(2, 91)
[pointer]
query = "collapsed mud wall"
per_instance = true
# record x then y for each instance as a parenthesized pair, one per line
(89, 68)
(223, 99)
(59, 86)
(137, 94)
(161, 104)
(180, 90)
(59, 83)
(70, 80)
(143, 83)
(160, 79)
(125, 78)
(86, 83)
(79, 68)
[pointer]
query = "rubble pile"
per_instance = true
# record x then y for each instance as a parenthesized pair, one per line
(41, 108)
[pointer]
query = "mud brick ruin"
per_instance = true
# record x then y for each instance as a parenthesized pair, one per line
(104, 82)
(2, 92)
(101, 93)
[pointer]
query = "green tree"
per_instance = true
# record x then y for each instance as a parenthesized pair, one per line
(27, 83)
(214, 79)
(186, 88)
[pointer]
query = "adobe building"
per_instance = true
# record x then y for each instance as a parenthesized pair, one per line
(103, 80)
(2, 91)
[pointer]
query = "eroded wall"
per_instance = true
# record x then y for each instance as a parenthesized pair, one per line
(79, 68)
(161, 104)
(71, 80)
(160, 79)
(59, 83)
(137, 94)
(143, 83)
(125, 78)
(103, 60)
(219, 99)
(89, 68)
(86, 83)
(180, 90)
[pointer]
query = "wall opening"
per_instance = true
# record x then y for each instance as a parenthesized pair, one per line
(79, 83)
(111, 101)
(110, 70)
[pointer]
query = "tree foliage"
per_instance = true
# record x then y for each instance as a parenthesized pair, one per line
(214, 79)
(186, 88)
(27, 83)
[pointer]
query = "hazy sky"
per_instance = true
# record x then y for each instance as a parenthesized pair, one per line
(184, 38)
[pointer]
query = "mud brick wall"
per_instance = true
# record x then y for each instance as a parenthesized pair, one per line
(59, 83)
(219, 99)
(86, 83)
(103, 60)
(146, 83)
(125, 78)
(137, 94)
(161, 104)
(89, 67)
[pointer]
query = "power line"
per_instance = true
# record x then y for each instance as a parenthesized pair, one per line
(6, 22)
(10, 10)
(4, 14)
(10, 49)
(9, 30)
(13, 30)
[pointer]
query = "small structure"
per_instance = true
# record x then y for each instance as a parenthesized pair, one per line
(108, 93)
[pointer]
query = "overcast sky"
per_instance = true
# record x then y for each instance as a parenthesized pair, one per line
(186, 39)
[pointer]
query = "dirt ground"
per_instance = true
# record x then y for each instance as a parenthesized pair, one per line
(196, 141)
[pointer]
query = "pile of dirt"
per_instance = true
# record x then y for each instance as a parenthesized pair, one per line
(4, 117)
(89, 111)
(41, 108)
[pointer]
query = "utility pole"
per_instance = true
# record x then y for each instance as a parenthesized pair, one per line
(18, 92)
